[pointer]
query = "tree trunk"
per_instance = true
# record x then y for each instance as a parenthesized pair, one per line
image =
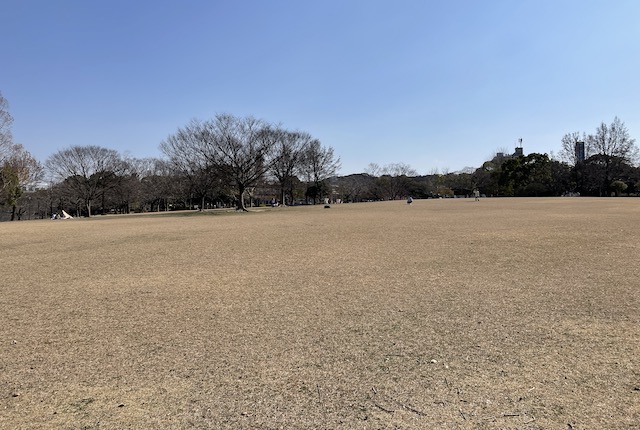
(241, 206)
(13, 212)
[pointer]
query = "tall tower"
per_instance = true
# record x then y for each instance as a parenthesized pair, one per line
(580, 152)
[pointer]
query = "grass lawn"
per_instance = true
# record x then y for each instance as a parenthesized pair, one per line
(498, 314)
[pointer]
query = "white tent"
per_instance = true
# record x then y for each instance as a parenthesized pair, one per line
(66, 215)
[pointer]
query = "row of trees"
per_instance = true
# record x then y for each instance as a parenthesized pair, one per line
(529, 175)
(229, 161)
(609, 167)
(227, 152)
(218, 162)
(610, 157)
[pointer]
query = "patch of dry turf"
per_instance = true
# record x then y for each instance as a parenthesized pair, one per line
(501, 314)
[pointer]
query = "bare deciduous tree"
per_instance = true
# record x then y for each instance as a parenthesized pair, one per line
(17, 170)
(356, 187)
(392, 179)
(159, 181)
(611, 146)
(17, 167)
(613, 141)
(243, 148)
(373, 169)
(318, 164)
(86, 170)
(289, 152)
(189, 153)
(568, 151)
(6, 139)
(239, 149)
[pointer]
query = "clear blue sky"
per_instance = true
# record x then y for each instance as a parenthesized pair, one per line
(434, 84)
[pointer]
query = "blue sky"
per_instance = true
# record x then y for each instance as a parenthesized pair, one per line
(439, 85)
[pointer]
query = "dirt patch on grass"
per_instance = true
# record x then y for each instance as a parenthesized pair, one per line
(505, 313)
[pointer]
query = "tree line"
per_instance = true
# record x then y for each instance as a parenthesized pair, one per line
(608, 167)
(233, 162)
(226, 161)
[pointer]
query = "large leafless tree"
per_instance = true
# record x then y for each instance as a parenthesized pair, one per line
(239, 150)
(613, 140)
(88, 171)
(242, 148)
(289, 151)
(319, 163)
(610, 147)
(188, 153)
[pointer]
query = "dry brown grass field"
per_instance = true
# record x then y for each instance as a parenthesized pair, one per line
(446, 314)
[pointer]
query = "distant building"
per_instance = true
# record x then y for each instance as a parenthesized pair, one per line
(35, 186)
(580, 155)
(519, 152)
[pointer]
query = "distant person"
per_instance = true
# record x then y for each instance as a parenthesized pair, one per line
(476, 194)
(410, 200)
